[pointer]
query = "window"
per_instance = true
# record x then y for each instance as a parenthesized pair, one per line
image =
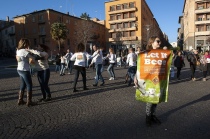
(200, 42)
(133, 33)
(200, 17)
(207, 17)
(125, 6)
(13, 42)
(7, 44)
(125, 34)
(132, 24)
(208, 5)
(67, 31)
(41, 29)
(119, 25)
(131, 4)
(112, 26)
(67, 21)
(113, 35)
(34, 30)
(111, 17)
(125, 25)
(132, 14)
(125, 15)
(6, 32)
(118, 17)
(208, 28)
(33, 19)
(112, 8)
(41, 17)
(20, 32)
(68, 41)
(118, 7)
(43, 40)
(200, 28)
(12, 29)
(26, 31)
(35, 42)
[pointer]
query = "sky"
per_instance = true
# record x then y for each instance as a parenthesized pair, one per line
(166, 12)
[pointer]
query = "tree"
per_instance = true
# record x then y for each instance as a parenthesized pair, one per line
(84, 32)
(59, 33)
(85, 16)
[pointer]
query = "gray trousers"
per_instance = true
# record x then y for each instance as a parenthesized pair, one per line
(150, 109)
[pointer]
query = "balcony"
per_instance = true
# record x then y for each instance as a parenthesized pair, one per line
(202, 33)
(42, 33)
(122, 20)
(41, 21)
(131, 38)
(122, 11)
(202, 22)
(202, 10)
(122, 29)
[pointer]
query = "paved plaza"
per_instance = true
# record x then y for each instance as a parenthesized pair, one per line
(107, 112)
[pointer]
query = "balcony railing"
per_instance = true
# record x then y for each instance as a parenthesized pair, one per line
(198, 33)
(122, 11)
(202, 22)
(202, 10)
(123, 29)
(131, 38)
(123, 20)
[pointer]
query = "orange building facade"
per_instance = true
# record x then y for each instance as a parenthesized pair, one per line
(36, 27)
(129, 23)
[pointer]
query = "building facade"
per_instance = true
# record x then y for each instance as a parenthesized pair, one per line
(196, 16)
(36, 27)
(7, 38)
(180, 32)
(129, 23)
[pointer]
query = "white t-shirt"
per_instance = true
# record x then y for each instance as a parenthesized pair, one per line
(23, 60)
(131, 59)
(80, 59)
(97, 57)
(112, 58)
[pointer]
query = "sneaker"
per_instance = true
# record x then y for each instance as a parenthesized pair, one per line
(204, 79)
(110, 78)
(75, 90)
(47, 99)
(154, 119)
(69, 73)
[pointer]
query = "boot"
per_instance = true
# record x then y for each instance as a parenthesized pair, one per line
(148, 120)
(20, 99)
(29, 99)
(154, 119)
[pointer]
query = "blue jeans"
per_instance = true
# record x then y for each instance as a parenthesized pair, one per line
(131, 73)
(110, 70)
(43, 78)
(70, 66)
(26, 82)
(62, 68)
(57, 68)
(98, 73)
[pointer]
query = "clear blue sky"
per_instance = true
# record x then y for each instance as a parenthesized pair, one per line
(166, 12)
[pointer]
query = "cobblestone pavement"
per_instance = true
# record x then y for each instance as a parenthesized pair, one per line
(108, 112)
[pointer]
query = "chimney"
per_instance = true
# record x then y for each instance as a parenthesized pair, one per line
(7, 18)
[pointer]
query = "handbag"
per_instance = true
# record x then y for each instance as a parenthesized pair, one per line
(198, 63)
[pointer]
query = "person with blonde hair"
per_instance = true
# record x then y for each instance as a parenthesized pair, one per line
(24, 58)
(112, 60)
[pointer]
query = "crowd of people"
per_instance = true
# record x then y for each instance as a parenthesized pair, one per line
(81, 60)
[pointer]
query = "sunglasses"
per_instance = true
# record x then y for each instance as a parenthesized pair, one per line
(158, 41)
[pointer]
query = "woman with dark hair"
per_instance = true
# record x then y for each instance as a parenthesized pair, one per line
(24, 58)
(43, 71)
(153, 43)
(80, 64)
(178, 63)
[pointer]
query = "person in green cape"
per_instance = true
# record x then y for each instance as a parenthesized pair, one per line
(153, 43)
